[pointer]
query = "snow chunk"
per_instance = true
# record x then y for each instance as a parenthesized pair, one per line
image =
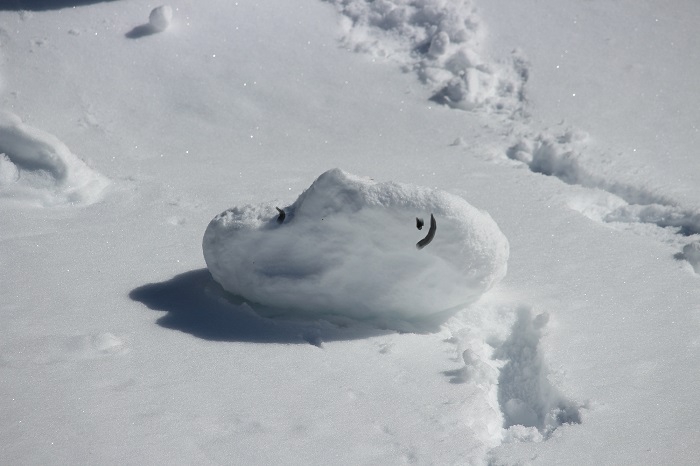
(38, 167)
(160, 18)
(691, 253)
(347, 246)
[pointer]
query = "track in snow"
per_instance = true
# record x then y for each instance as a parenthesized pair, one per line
(610, 201)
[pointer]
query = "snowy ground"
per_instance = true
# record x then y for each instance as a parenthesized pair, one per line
(572, 123)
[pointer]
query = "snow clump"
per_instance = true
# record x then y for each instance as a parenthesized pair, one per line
(160, 18)
(691, 253)
(37, 167)
(348, 245)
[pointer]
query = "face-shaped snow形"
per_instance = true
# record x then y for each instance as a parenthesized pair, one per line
(351, 246)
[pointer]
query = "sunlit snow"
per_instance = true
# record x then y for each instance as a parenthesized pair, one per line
(362, 315)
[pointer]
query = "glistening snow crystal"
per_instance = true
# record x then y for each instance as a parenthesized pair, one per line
(347, 246)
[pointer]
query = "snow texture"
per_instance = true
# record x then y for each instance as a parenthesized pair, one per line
(37, 167)
(441, 42)
(348, 246)
(610, 200)
(527, 398)
(583, 354)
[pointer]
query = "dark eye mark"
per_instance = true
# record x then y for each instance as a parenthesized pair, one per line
(419, 223)
(431, 234)
(281, 216)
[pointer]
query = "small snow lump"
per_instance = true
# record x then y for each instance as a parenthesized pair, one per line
(160, 18)
(347, 246)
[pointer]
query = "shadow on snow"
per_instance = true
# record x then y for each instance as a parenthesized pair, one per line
(194, 303)
(142, 30)
(41, 5)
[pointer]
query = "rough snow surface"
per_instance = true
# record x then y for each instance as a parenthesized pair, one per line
(36, 167)
(348, 246)
(441, 41)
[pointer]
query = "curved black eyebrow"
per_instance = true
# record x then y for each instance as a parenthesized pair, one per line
(281, 216)
(431, 234)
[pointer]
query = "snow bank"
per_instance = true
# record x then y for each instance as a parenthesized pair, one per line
(441, 42)
(348, 245)
(36, 166)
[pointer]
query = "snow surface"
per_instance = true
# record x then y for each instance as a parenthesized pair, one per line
(346, 246)
(120, 145)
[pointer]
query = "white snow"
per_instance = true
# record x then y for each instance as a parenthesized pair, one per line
(161, 17)
(347, 246)
(440, 41)
(572, 123)
(37, 167)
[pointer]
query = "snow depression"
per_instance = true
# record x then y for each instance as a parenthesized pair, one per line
(359, 248)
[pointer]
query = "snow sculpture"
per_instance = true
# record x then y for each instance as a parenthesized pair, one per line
(352, 246)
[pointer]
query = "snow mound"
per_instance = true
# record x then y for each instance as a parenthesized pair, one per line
(37, 167)
(348, 245)
(441, 42)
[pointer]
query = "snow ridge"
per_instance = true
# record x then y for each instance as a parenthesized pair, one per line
(38, 167)
(441, 42)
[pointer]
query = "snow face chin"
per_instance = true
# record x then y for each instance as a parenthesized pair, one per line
(347, 246)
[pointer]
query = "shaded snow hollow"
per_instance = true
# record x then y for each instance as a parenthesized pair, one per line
(347, 246)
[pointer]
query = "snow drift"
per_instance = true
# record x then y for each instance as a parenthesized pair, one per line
(37, 167)
(348, 246)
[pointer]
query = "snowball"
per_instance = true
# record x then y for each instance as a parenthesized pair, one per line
(347, 246)
(691, 253)
(8, 171)
(161, 17)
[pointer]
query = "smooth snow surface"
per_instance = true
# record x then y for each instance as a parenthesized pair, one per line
(572, 123)
(348, 246)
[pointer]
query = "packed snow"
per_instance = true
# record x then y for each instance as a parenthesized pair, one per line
(160, 18)
(371, 320)
(347, 246)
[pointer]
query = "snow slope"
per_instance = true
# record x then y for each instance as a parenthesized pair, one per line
(117, 345)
